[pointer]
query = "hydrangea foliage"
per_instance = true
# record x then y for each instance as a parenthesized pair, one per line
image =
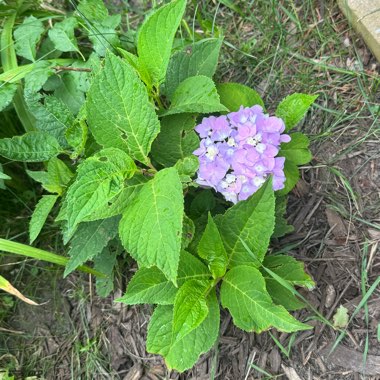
(238, 151)
(124, 128)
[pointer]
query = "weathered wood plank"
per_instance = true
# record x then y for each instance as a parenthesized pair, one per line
(364, 15)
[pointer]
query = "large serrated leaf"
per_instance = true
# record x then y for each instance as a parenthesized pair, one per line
(100, 178)
(176, 139)
(235, 95)
(89, 240)
(293, 108)
(119, 111)
(195, 94)
(155, 40)
(190, 307)
(211, 249)
(243, 292)
(40, 214)
(200, 58)
(151, 227)
(117, 205)
(52, 116)
(30, 147)
(149, 285)
(182, 354)
(27, 36)
(252, 221)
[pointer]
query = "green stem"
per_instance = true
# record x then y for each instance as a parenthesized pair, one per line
(39, 254)
(9, 62)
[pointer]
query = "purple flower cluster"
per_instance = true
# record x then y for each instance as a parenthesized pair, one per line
(238, 151)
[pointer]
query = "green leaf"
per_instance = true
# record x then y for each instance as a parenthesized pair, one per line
(149, 285)
(56, 178)
(200, 58)
(120, 114)
(188, 231)
(234, 95)
(69, 92)
(252, 221)
(3, 177)
(296, 150)
(155, 40)
(243, 292)
(211, 249)
(195, 94)
(151, 227)
(129, 57)
(27, 36)
(289, 269)
(62, 35)
(182, 354)
(292, 176)
(30, 147)
(176, 139)
(104, 262)
(103, 35)
(118, 204)
(37, 77)
(52, 116)
(40, 214)
(89, 240)
(93, 10)
(341, 317)
(190, 307)
(7, 91)
(100, 178)
(294, 107)
(76, 136)
(202, 203)
(283, 296)
(281, 225)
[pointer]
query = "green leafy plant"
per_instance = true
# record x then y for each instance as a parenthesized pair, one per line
(115, 135)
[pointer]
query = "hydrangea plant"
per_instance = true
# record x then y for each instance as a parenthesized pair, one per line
(145, 155)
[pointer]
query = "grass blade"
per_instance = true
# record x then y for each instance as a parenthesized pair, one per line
(9, 62)
(39, 254)
(7, 286)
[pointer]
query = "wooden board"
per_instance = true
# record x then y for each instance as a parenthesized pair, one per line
(364, 15)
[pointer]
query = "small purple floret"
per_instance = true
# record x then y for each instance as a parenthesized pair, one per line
(238, 152)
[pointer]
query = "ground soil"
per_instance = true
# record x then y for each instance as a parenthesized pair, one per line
(77, 335)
